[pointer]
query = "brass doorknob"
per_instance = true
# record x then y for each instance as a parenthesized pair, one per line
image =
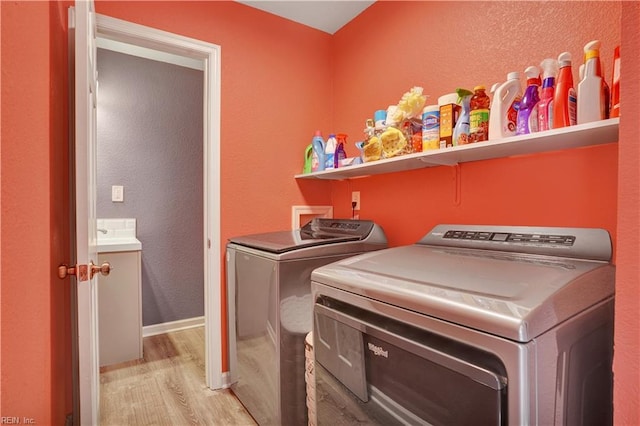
(84, 272)
(64, 271)
(103, 269)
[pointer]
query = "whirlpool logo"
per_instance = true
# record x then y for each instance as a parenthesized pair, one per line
(377, 350)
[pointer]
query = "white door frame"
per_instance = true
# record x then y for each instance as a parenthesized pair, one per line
(139, 35)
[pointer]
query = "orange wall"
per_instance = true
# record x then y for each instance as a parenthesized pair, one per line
(627, 324)
(34, 232)
(434, 49)
(280, 82)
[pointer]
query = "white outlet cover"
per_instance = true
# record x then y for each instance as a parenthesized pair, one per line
(117, 193)
(355, 197)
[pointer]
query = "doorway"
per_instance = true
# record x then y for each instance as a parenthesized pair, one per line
(150, 148)
(208, 55)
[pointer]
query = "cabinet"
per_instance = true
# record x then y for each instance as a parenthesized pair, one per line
(587, 134)
(120, 308)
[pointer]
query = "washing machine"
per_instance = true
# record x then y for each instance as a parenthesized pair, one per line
(270, 309)
(472, 325)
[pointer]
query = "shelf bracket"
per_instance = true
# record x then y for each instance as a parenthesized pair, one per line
(439, 161)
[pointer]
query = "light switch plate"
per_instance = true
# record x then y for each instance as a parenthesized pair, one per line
(117, 193)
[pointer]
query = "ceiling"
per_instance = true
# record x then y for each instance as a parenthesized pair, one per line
(328, 15)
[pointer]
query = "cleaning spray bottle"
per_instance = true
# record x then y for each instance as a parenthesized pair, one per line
(545, 112)
(462, 129)
(505, 105)
(527, 120)
(592, 91)
(341, 152)
(317, 159)
(564, 98)
(329, 152)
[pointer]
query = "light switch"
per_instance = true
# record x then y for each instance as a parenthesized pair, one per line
(117, 193)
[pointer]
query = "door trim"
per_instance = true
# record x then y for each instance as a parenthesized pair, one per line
(82, 104)
(140, 35)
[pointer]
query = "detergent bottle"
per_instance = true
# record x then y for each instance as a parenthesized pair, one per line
(329, 152)
(493, 89)
(506, 103)
(592, 90)
(545, 106)
(308, 158)
(527, 121)
(462, 130)
(492, 94)
(564, 98)
(317, 158)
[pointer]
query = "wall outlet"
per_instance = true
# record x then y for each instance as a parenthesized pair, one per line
(117, 193)
(355, 198)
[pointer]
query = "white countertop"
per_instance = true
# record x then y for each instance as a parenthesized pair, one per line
(111, 245)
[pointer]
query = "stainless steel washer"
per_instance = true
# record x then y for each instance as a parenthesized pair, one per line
(270, 309)
(472, 325)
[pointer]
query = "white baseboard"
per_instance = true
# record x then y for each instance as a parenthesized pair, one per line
(167, 327)
(226, 380)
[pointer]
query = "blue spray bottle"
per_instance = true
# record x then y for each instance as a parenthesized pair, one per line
(527, 121)
(462, 130)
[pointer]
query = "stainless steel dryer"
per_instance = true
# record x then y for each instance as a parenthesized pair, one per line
(473, 325)
(271, 311)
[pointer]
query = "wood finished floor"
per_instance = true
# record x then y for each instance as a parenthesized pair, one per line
(167, 387)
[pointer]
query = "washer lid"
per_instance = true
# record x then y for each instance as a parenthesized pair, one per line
(284, 241)
(514, 295)
(318, 231)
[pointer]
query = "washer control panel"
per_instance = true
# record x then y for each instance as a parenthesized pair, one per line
(551, 239)
(577, 243)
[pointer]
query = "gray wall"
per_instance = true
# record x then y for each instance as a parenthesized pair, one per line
(150, 141)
